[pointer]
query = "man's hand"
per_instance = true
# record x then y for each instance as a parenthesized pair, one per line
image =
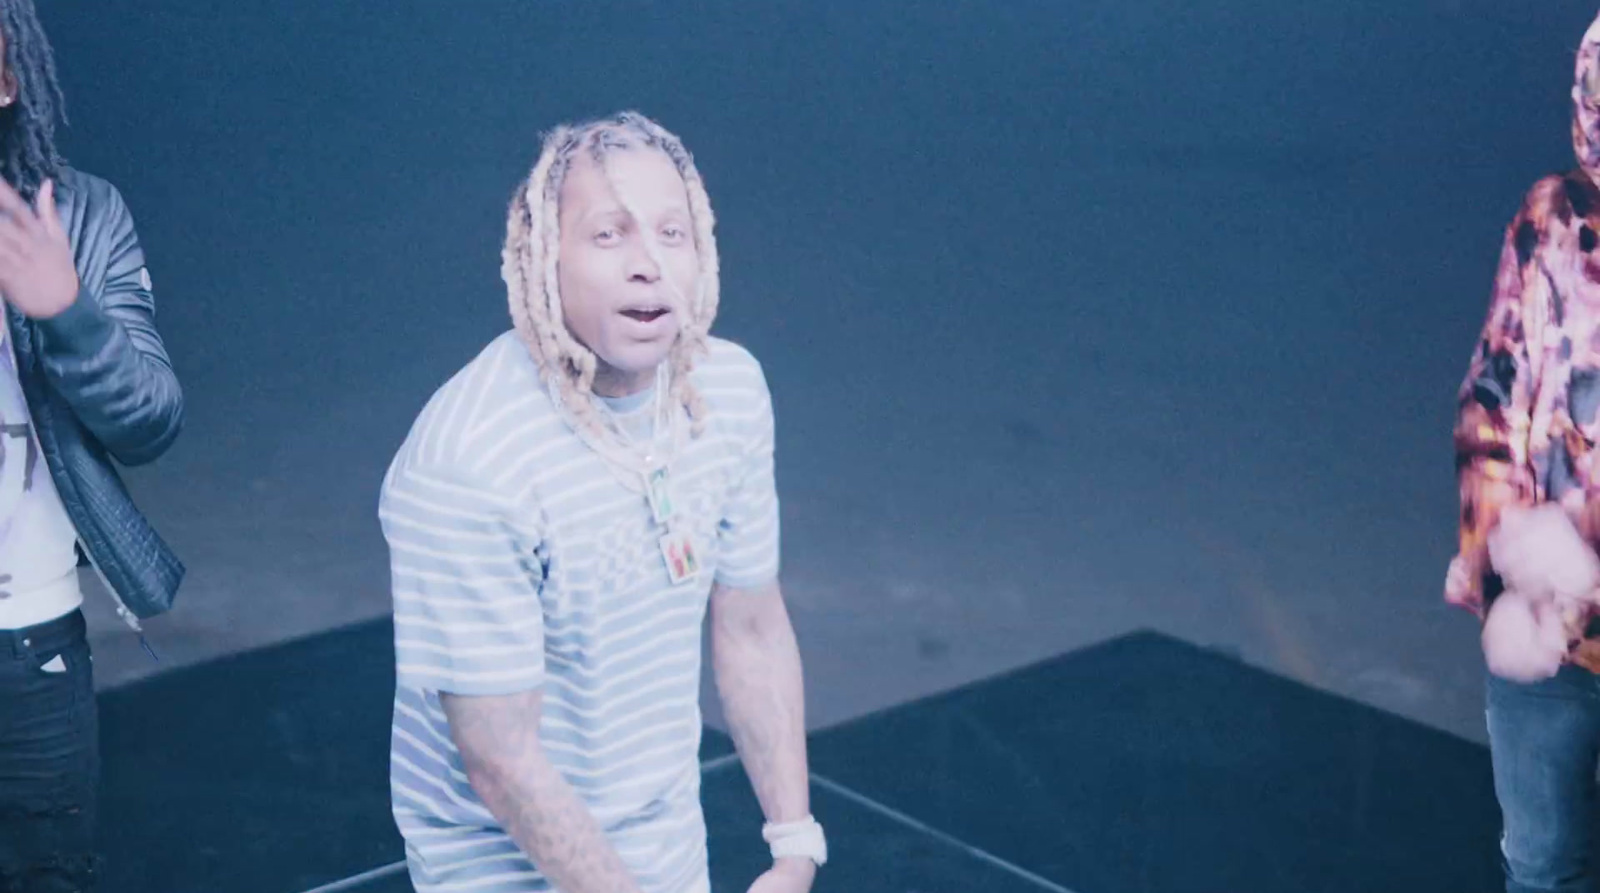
(1539, 552)
(1460, 581)
(36, 272)
(789, 875)
(1523, 638)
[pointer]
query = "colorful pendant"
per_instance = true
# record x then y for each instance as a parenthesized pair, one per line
(677, 548)
(660, 494)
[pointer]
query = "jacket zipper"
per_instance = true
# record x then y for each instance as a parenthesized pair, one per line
(128, 617)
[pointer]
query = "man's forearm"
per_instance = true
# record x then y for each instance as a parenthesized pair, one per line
(759, 679)
(499, 742)
(546, 818)
(128, 399)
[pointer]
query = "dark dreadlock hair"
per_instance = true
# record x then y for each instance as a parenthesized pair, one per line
(28, 153)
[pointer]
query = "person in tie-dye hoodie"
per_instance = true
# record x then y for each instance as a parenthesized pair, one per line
(1526, 432)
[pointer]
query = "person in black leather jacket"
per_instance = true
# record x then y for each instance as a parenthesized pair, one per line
(84, 381)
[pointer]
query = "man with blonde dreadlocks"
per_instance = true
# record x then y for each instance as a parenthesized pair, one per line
(561, 517)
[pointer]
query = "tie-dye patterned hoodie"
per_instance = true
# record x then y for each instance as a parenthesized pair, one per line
(1527, 422)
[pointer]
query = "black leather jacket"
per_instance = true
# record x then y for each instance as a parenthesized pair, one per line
(99, 387)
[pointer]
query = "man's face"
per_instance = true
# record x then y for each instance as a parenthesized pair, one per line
(619, 301)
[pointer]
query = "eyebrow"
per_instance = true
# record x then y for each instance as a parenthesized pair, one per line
(614, 209)
(601, 212)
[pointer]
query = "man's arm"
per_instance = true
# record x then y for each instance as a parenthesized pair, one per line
(1496, 444)
(753, 650)
(468, 624)
(102, 353)
(498, 737)
(757, 664)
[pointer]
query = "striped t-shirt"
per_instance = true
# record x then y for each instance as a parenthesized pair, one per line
(520, 559)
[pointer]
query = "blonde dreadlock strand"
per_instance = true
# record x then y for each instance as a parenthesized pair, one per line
(529, 267)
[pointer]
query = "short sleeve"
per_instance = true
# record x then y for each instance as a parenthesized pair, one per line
(748, 531)
(466, 581)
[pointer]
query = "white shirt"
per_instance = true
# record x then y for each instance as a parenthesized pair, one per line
(38, 557)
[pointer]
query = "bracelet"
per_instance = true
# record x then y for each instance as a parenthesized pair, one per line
(803, 838)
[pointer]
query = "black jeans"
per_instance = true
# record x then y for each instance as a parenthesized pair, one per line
(49, 759)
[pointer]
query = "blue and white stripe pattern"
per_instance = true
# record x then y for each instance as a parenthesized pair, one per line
(520, 559)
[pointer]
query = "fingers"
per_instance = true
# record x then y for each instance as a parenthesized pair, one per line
(15, 209)
(1458, 581)
(15, 249)
(45, 208)
(14, 244)
(22, 230)
(14, 254)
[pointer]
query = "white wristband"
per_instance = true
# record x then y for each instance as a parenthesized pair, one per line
(803, 838)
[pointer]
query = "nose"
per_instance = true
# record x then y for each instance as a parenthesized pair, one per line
(642, 267)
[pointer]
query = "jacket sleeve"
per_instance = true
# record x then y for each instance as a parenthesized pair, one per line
(1498, 453)
(103, 354)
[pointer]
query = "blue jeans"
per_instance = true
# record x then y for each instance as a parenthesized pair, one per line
(1544, 739)
(49, 759)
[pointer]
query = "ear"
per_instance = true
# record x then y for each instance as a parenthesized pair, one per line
(8, 89)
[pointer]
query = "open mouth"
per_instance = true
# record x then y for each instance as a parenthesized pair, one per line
(645, 314)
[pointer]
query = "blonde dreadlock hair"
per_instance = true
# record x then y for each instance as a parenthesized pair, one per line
(532, 250)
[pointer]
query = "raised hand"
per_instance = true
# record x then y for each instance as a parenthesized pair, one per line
(36, 272)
